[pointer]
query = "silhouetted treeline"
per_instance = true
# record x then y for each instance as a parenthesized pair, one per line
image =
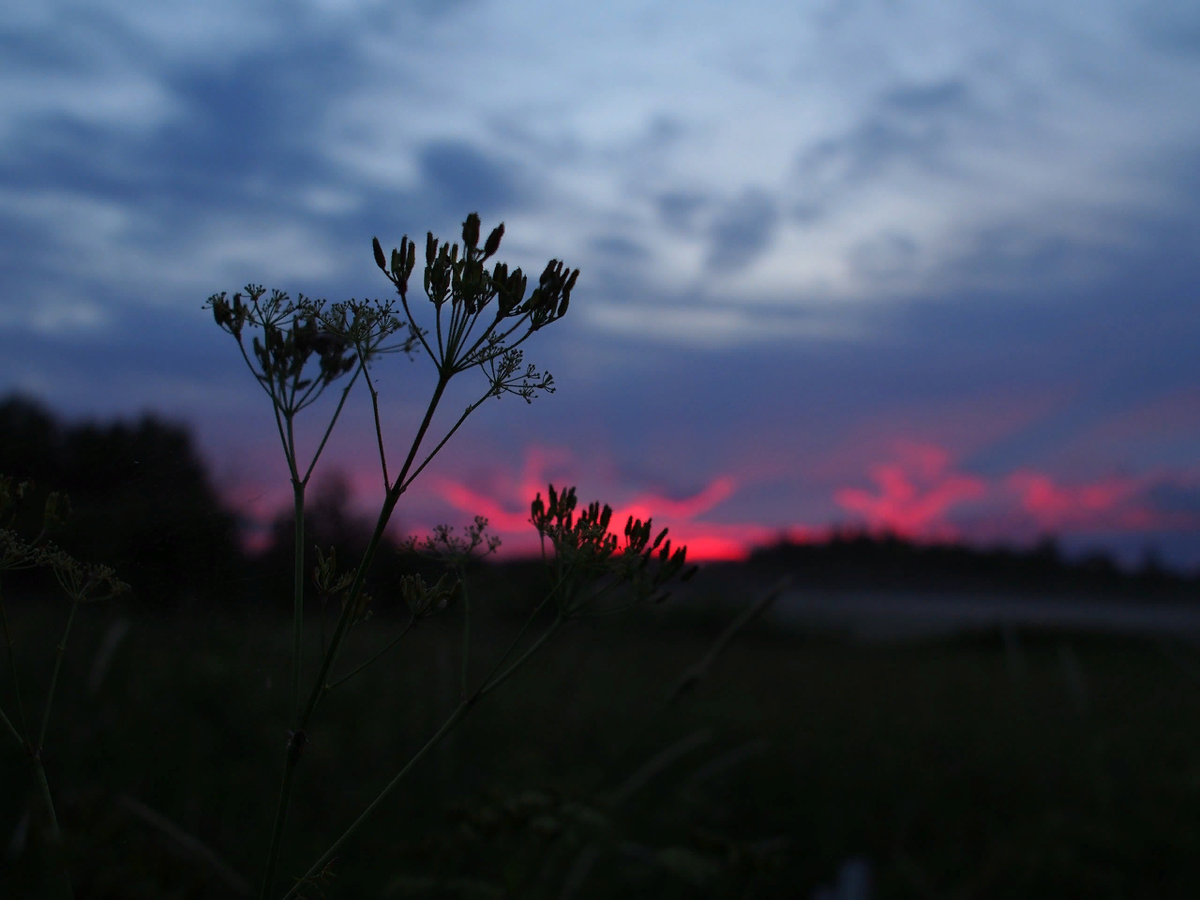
(142, 500)
(144, 503)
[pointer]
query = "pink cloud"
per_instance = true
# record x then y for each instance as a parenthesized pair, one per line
(1115, 503)
(913, 494)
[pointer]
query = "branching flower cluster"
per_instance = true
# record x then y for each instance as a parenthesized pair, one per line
(585, 554)
(82, 582)
(481, 317)
(453, 553)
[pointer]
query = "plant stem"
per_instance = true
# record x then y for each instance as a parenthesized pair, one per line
(520, 634)
(34, 752)
(297, 596)
(442, 443)
(333, 421)
(689, 678)
(460, 711)
(466, 638)
(387, 485)
(12, 661)
(58, 658)
(11, 728)
(385, 514)
(296, 742)
(392, 643)
(295, 748)
(55, 835)
(489, 686)
(455, 717)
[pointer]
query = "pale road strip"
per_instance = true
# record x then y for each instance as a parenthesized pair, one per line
(899, 614)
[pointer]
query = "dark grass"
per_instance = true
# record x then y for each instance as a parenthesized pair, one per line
(937, 761)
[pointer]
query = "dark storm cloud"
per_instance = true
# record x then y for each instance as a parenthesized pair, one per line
(741, 230)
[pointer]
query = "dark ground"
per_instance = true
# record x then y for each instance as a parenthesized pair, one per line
(954, 773)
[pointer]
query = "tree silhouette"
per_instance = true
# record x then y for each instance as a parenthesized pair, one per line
(142, 499)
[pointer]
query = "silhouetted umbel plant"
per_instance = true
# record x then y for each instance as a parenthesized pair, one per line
(82, 583)
(481, 319)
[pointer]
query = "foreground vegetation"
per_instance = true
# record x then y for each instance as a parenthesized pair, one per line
(951, 771)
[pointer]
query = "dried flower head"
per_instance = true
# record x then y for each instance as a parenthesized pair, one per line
(589, 560)
(423, 600)
(462, 292)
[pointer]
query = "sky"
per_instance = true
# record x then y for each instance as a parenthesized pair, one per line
(903, 266)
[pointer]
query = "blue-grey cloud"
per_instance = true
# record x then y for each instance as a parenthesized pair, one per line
(619, 250)
(741, 230)
(1169, 497)
(1170, 25)
(463, 177)
(910, 125)
(678, 209)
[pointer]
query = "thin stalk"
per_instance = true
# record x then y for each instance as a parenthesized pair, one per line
(58, 658)
(466, 638)
(12, 661)
(387, 485)
(392, 643)
(460, 711)
(515, 641)
(295, 748)
(455, 717)
(689, 678)
(520, 634)
(296, 743)
(442, 443)
(420, 333)
(321, 624)
(297, 595)
(11, 729)
(489, 686)
(333, 421)
(55, 833)
(385, 514)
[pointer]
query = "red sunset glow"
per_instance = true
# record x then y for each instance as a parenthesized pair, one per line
(918, 493)
(917, 490)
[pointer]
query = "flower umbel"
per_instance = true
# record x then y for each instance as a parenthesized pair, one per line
(586, 553)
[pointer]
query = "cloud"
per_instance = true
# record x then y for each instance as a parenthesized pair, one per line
(1170, 25)
(620, 250)
(911, 125)
(462, 177)
(741, 231)
(913, 495)
(678, 209)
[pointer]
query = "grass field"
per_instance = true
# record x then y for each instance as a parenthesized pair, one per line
(954, 773)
